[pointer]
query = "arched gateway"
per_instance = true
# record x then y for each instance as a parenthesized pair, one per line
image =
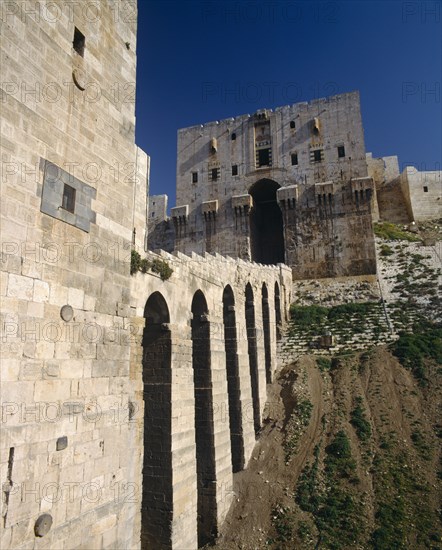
(266, 225)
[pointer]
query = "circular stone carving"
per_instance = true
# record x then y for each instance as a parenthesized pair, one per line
(66, 313)
(43, 525)
(79, 77)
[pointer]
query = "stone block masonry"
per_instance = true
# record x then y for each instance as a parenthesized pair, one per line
(106, 441)
(70, 175)
(289, 185)
(194, 384)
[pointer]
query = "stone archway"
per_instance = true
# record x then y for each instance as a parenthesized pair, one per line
(266, 224)
(278, 317)
(253, 356)
(266, 332)
(204, 424)
(157, 495)
(233, 380)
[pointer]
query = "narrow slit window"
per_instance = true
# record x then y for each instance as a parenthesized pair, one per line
(68, 201)
(79, 42)
(194, 177)
(234, 169)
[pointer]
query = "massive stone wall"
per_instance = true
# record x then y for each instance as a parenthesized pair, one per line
(105, 375)
(70, 176)
(423, 192)
(168, 341)
(281, 185)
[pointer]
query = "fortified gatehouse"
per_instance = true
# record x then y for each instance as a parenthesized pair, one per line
(289, 185)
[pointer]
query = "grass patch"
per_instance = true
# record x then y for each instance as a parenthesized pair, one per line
(393, 232)
(308, 315)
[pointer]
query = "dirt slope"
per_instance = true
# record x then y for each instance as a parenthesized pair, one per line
(349, 457)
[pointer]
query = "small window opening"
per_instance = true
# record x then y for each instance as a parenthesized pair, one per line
(215, 174)
(317, 155)
(68, 202)
(153, 214)
(425, 189)
(341, 151)
(294, 159)
(264, 157)
(79, 42)
(234, 170)
(292, 124)
(194, 177)
(233, 136)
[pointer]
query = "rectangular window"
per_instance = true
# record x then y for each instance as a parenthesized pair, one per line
(214, 174)
(153, 214)
(79, 42)
(264, 157)
(194, 177)
(341, 151)
(234, 170)
(68, 201)
(294, 159)
(425, 189)
(316, 155)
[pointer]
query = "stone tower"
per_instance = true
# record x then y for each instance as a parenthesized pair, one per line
(289, 185)
(71, 174)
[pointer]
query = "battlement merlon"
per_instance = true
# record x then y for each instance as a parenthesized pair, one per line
(300, 105)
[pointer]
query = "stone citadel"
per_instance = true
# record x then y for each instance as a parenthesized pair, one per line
(115, 434)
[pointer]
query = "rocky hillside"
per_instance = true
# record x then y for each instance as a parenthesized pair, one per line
(349, 456)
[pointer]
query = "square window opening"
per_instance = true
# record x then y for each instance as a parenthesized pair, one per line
(79, 42)
(317, 156)
(264, 157)
(68, 201)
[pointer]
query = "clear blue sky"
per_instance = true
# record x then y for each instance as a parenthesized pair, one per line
(200, 61)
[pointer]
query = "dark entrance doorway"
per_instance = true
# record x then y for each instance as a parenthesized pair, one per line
(266, 225)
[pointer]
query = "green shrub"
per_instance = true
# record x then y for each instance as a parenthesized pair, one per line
(359, 421)
(162, 268)
(324, 363)
(135, 262)
(424, 343)
(386, 250)
(339, 461)
(158, 266)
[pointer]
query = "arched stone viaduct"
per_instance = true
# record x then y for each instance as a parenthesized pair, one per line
(204, 352)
